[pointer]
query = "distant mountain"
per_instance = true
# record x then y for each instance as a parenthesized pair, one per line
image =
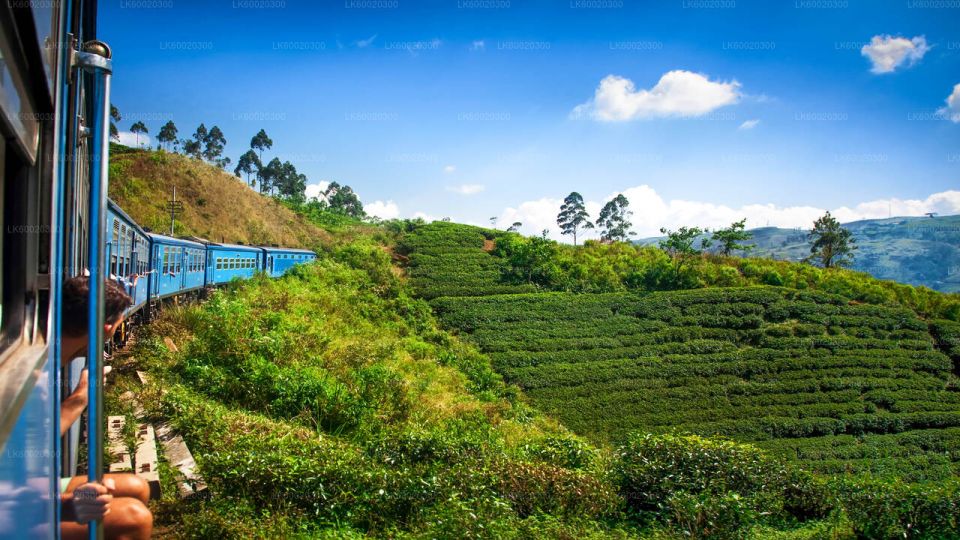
(914, 250)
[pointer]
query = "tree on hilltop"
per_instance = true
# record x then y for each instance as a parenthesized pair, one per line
(679, 245)
(613, 221)
(213, 145)
(114, 118)
(137, 128)
(573, 216)
(193, 147)
(830, 244)
(343, 200)
(261, 142)
(730, 238)
(168, 134)
(248, 164)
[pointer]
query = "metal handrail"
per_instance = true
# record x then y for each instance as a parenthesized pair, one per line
(95, 63)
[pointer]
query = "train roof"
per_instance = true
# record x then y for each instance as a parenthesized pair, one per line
(115, 208)
(171, 240)
(237, 247)
(288, 250)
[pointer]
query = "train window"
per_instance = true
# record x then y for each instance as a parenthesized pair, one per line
(179, 258)
(122, 251)
(219, 263)
(113, 247)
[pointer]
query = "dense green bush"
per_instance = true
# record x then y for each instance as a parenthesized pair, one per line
(893, 509)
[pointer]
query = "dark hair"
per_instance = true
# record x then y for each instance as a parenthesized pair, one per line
(75, 298)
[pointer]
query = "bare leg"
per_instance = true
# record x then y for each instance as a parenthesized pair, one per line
(127, 485)
(128, 519)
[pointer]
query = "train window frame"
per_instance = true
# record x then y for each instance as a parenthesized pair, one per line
(113, 247)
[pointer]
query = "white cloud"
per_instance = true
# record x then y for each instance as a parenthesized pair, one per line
(651, 212)
(678, 93)
(887, 53)
(449, 169)
(382, 210)
(128, 138)
(478, 45)
(429, 218)
(952, 110)
(364, 43)
(467, 189)
(748, 124)
(316, 190)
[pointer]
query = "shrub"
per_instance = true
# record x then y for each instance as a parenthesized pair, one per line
(666, 474)
(893, 509)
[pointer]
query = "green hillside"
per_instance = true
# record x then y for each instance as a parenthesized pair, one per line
(216, 205)
(826, 380)
(914, 250)
(335, 403)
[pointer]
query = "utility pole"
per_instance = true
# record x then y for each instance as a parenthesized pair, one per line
(175, 208)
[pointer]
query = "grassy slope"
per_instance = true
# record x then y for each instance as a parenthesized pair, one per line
(330, 404)
(217, 205)
(838, 385)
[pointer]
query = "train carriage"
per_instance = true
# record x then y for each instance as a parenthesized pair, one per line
(54, 95)
(176, 266)
(278, 260)
(128, 255)
(229, 261)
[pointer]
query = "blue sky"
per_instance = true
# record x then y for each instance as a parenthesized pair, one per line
(701, 111)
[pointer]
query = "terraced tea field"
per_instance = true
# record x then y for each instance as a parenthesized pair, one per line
(836, 385)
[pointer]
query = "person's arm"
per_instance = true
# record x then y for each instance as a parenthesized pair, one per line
(73, 406)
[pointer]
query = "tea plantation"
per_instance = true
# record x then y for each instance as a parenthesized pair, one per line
(836, 385)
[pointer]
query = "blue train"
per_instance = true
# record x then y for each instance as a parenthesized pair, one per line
(57, 223)
(166, 266)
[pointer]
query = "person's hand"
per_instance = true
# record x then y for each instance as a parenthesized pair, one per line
(91, 501)
(80, 391)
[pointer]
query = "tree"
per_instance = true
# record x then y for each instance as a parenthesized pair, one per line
(269, 174)
(168, 134)
(114, 118)
(343, 200)
(613, 220)
(730, 238)
(223, 162)
(290, 184)
(679, 245)
(138, 128)
(831, 244)
(515, 227)
(194, 147)
(530, 260)
(573, 216)
(213, 144)
(261, 142)
(191, 148)
(248, 164)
